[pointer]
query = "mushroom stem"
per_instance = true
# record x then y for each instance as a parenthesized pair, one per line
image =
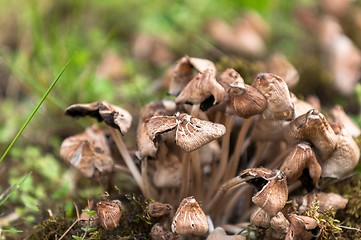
(122, 169)
(221, 168)
(198, 177)
(185, 176)
(222, 191)
(233, 163)
(148, 188)
(127, 158)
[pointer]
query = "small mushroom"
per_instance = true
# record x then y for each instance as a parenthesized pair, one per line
(246, 100)
(219, 233)
(112, 115)
(189, 218)
(231, 76)
(280, 106)
(159, 233)
(203, 89)
(279, 227)
(168, 172)
(302, 204)
(183, 72)
(260, 218)
(338, 115)
(300, 159)
(301, 107)
(344, 158)
(302, 228)
(312, 127)
(191, 133)
(110, 213)
(278, 64)
(88, 152)
(271, 185)
(158, 210)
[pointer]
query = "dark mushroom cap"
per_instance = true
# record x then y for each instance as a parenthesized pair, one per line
(112, 115)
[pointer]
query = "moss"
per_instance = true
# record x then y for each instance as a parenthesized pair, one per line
(328, 224)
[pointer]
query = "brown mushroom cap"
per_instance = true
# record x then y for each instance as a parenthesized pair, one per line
(298, 160)
(191, 133)
(314, 128)
(278, 64)
(168, 172)
(343, 159)
(246, 100)
(338, 115)
(260, 218)
(183, 72)
(272, 190)
(110, 213)
(280, 106)
(301, 228)
(231, 76)
(201, 88)
(279, 227)
(112, 115)
(88, 152)
(189, 218)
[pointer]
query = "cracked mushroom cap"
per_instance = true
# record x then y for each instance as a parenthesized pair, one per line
(280, 106)
(314, 128)
(302, 158)
(183, 72)
(112, 115)
(189, 218)
(191, 132)
(271, 186)
(88, 152)
(203, 89)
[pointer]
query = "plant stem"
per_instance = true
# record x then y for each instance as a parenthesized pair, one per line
(35, 110)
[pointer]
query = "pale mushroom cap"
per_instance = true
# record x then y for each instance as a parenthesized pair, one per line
(109, 213)
(189, 218)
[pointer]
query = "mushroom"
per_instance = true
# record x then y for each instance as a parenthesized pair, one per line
(274, 88)
(191, 132)
(88, 152)
(338, 115)
(159, 233)
(189, 218)
(110, 213)
(344, 158)
(219, 233)
(302, 228)
(312, 127)
(302, 204)
(278, 64)
(300, 159)
(183, 72)
(279, 227)
(158, 211)
(203, 90)
(112, 115)
(168, 172)
(260, 218)
(271, 185)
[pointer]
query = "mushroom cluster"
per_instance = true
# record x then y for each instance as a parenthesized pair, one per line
(200, 153)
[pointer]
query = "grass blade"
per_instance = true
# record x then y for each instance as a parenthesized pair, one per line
(34, 111)
(8, 192)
